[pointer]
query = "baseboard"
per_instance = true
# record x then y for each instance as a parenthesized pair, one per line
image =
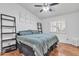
(77, 46)
(69, 44)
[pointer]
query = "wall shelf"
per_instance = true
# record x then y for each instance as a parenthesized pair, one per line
(9, 33)
(9, 46)
(10, 40)
(8, 16)
(7, 26)
(7, 19)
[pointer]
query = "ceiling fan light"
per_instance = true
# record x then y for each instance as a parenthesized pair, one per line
(45, 8)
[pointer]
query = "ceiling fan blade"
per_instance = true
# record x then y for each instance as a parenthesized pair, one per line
(38, 5)
(41, 10)
(53, 4)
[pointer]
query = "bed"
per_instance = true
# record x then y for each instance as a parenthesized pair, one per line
(35, 43)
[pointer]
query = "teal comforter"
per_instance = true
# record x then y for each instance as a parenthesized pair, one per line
(39, 42)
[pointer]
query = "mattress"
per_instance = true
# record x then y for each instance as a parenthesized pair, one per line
(39, 42)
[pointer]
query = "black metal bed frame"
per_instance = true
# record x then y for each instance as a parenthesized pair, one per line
(28, 48)
(1, 17)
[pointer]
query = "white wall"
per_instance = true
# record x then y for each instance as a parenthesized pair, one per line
(24, 19)
(72, 24)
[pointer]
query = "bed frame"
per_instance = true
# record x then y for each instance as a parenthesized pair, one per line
(28, 51)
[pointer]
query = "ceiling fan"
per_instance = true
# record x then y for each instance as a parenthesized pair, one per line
(46, 6)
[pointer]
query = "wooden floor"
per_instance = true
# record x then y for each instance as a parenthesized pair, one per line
(62, 50)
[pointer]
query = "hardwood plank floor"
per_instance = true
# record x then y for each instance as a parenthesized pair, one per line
(62, 49)
(13, 53)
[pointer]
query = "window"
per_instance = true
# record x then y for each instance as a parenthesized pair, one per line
(58, 26)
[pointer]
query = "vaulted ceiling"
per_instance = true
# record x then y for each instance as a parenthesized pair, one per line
(60, 9)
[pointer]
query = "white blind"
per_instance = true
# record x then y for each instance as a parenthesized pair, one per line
(58, 26)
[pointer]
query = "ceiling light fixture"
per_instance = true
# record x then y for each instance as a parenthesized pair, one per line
(46, 8)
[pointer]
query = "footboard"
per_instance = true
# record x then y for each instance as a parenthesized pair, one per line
(51, 48)
(25, 49)
(28, 51)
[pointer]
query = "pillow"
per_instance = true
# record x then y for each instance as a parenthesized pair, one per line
(35, 32)
(27, 32)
